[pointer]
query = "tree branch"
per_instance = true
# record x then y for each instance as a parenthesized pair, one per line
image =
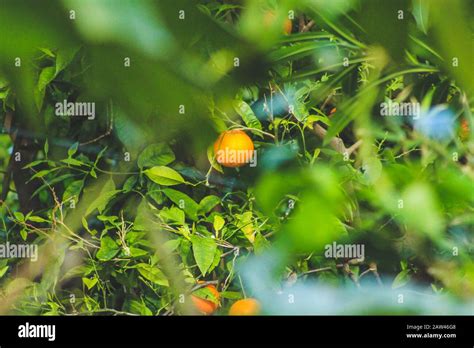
(336, 143)
(307, 27)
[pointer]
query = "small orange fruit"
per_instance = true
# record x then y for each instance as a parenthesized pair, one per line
(204, 306)
(464, 130)
(269, 19)
(287, 26)
(233, 148)
(248, 306)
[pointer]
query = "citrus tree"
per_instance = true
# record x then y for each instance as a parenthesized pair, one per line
(212, 157)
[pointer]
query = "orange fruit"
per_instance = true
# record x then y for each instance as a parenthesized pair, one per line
(204, 306)
(464, 130)
(248, 306)
(287, 26)
(269, 19)
(233, 148)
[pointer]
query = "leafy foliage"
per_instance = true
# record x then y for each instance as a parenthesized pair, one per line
(131, 210)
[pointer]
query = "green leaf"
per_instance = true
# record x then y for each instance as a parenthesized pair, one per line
(34, 164)
(299, 110)
(3, 271)
(231, 295)
(140, 308)
(73, 149)
(24, 234)
(173, 214)
(155, 155)
(156, 195)
(128, 132)
(372, 168)
(244, 222)
(108, 249)
(137, 252)
(129, 184)
(41, 173)
(421, 210)
(172, 244)
(72, 162)
(247, 114)
(260, 244)
(204, 249)
(46, 148)
(183, 201)
(73, 190)
(299, 50)
(216, 261)
(164, 176)
(142, 217)
(4, 94)
(90, 283)
(104, 196)
(133, 238)
(111, 219)
(401, 279)
(36, 219)
(421, 13)
(47, 51)
(52, 182)
(46, 76)
(361, 103)
(64, 57)
(208, 203)
(212, 159)
(153, 274)
(206, 294)
(19, 216)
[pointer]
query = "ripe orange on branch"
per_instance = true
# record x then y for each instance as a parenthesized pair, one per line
(248, 306)
(204, 306)
(233, 148)
(270, 17)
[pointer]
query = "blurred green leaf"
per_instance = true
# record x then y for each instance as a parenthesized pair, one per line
(208, 203)
(156, 155)
(401, 279)
(90, 283)
(152, 273)
(183, 201)
(100, 202)
(247, 114)
(421, 210)
(245, 223)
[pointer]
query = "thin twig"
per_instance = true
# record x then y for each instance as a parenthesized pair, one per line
(307, 27)
(107, 132)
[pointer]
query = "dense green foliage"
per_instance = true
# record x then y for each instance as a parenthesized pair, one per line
(131, 210)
